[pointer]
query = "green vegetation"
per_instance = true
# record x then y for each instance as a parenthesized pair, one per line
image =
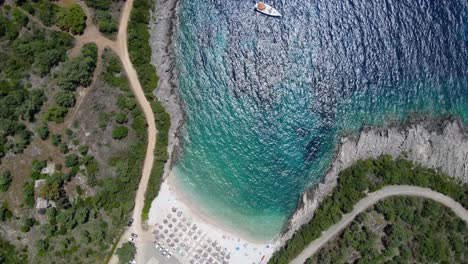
(79, 71)
(121, 118)
(72, 19)
(160, 156)
(353, 183)
(71, 160)
(120, 132)
(138, 45)
(43, 131)
(126, 253)
(5, 181)
(5, 213)
(9, 254)
(106, 23)
(399, 230)
(45, 10)
(104, 20)
(17, 104)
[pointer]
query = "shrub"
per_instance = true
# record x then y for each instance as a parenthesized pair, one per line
(65, 98)
(79, 71)
(72, 19)
(121, 118)
(56, 114)
(83, 149)
(43, 131)
(19, 17)
(56, 139)
(71, 160)
(5, 181)
(126, 253)
(120, 132)
(38, 165)
(28, 191)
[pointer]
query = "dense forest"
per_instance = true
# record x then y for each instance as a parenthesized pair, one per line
(353, 184)
(399, 230)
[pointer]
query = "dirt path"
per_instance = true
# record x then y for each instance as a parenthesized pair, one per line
(121, 48)
(371, 199)
(91, 35)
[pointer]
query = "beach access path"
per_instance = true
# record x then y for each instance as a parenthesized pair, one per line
(122, 51)
(371, 199)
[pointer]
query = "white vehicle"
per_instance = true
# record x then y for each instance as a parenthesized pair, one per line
(164, 253)
(168, 256)
(267, 9)
(131, 240)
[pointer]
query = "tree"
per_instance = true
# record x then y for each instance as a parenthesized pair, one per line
(79, 71)
(126, 253)
(82, 215)
(46, 60)
(56, 114)
(56, 139)
(28, 191)
(38, 165)
(120, 132)
(83, 149)
(5, 213)
(72, 19)
(65, 98)
(99, 4)
(5, 181)
(121, 118)
(106, 23)
(71, 160)
(42, 246)
(19, 17)
(43, 131)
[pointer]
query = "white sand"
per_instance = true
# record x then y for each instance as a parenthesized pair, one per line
(239, 250)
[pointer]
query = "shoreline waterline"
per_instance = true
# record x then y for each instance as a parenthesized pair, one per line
(196, 205)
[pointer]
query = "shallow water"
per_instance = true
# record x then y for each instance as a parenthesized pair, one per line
(266, 99)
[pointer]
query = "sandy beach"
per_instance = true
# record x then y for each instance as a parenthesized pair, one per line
(192, 238)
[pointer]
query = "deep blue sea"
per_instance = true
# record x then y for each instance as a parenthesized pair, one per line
(266, 99)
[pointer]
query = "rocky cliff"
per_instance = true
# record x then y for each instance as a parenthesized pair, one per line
(438, 144)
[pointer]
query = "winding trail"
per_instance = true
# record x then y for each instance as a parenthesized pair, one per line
(120, 47)
(371, 199)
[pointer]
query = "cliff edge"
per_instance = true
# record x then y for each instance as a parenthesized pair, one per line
(438, 144)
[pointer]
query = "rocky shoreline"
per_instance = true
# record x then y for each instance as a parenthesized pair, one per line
(441, 144)
(162, 40)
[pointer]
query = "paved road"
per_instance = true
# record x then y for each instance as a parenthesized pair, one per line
(371, 199)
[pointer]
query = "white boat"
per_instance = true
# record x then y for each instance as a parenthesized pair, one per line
(267, 9)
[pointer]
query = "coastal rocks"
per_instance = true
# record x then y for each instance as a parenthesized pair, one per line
(165, 20)
(437, 144)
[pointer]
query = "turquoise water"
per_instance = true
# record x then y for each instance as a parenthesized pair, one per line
(266, 99)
